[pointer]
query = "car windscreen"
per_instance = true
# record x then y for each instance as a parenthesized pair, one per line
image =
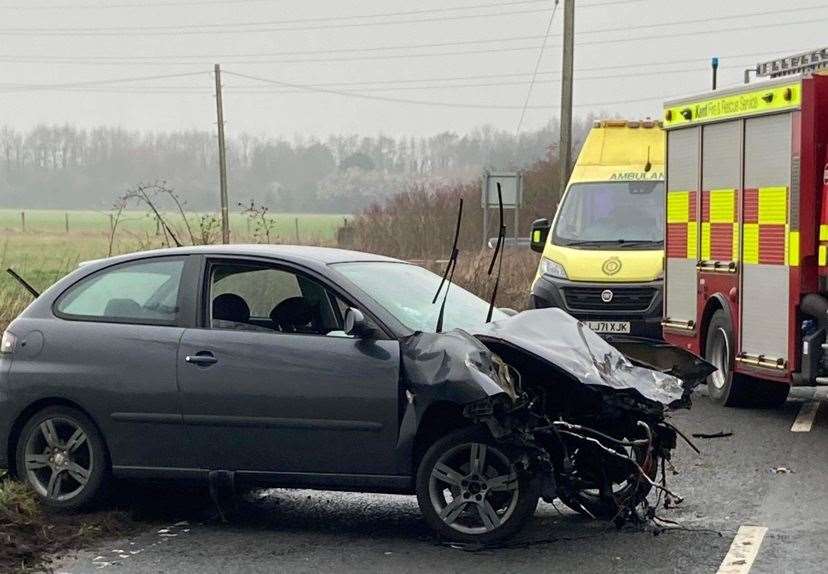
(623, 214)
(406, 291)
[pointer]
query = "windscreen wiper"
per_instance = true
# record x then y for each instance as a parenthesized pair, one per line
(501, 236)
(618, 242)
(448, 275)
(24, 283)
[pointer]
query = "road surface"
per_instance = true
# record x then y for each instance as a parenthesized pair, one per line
(765, 483)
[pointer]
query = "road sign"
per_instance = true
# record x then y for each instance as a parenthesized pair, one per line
(511, 188)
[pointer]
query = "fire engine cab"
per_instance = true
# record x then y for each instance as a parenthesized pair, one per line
(746, 266)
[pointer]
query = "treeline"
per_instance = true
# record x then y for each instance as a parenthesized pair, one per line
(66, 167)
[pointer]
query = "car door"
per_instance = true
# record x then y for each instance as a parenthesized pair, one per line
(263, 391)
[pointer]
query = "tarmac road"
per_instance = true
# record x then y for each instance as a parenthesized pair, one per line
(731, 485)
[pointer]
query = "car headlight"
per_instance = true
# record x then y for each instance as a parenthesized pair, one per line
(552, 268)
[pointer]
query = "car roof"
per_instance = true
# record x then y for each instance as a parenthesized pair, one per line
(292, 253)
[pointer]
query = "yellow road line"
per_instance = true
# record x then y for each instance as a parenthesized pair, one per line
(743, 550)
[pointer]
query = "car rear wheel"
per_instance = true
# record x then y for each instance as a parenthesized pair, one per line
(472, 490)
(735, 389)
(62, 456)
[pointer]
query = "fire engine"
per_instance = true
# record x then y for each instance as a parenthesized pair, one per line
(746, 266)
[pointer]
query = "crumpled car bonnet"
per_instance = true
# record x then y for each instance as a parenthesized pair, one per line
(558, 338)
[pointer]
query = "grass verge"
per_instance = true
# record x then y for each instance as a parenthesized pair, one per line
(29, 535)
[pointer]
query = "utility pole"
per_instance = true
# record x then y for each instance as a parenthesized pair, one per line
(225, 216)
(565, 147)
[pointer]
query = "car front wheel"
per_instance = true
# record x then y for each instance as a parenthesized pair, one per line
(62, 456)
(471, 489)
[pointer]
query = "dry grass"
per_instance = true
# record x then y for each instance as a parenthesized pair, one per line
(28, 535)
(519, 268)
(419, 226)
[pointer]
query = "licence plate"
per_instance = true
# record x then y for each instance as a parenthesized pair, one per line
(609, 326)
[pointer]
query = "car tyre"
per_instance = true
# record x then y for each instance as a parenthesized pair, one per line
(735, 389)
(61, 455)
(472, 490)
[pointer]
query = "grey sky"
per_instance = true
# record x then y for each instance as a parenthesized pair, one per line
(319, 42)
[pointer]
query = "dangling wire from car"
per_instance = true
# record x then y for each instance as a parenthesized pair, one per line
(448, 275)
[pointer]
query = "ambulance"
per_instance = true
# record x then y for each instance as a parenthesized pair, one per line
(746, 280)
(602, 255)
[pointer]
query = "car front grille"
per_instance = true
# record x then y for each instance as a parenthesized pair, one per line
(631, 299)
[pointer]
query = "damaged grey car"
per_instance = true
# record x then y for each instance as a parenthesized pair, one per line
(305, 367)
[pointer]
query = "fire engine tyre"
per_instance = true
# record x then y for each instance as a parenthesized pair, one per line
(469, 490)
(734, 389)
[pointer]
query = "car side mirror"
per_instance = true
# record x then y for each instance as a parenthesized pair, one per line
(355, 324)
(540, 231)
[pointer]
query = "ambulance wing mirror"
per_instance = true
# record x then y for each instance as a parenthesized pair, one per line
(540, 231)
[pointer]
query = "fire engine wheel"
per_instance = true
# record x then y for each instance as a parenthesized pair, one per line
(734, 389)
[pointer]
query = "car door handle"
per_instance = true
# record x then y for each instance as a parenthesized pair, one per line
(203, 359)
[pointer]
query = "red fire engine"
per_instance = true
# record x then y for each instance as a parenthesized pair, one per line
(746, 271)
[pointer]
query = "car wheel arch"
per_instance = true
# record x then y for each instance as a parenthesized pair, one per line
(31, 410)
(439, 419)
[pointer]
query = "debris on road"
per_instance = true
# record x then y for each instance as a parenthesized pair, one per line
(781, 470)
(720, 434)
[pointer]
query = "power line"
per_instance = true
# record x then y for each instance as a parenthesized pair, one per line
(157, 60)
(391, 85)
(154, 5)
(365, 96)
(226, 30)
(251, 89)
(35, 87)
(320, 19)
(212, 57)
(24, 60)
(535, 71)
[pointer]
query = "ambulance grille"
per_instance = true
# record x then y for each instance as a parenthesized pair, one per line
(623, 298)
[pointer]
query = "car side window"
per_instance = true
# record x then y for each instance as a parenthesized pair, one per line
(141, 292)
(252, 297)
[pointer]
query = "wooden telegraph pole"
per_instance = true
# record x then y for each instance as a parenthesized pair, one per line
(225, 216)
(565, 151)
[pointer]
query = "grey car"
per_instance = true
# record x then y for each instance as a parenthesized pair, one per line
(321, 368)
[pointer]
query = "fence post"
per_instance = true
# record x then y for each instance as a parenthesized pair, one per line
(67, 221)
(23, 221)
(296, 221)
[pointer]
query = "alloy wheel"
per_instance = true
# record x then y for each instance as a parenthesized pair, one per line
(474, 488)
(58, 459)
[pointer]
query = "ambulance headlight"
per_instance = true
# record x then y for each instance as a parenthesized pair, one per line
(552, 268)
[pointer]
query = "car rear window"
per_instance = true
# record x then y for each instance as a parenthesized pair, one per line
(141, 292)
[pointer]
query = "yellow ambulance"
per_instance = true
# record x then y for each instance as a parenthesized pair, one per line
(603, 253)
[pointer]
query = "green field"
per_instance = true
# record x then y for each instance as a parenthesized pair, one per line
(313, 227)
(45, 251)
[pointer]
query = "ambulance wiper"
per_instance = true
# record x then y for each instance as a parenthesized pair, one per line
(618, 242)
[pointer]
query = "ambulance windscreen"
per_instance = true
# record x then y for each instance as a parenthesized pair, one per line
(616, 214)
